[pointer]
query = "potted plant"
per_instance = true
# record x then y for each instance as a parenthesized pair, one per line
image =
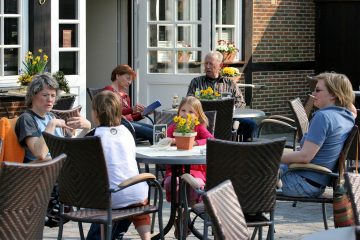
(59, 76)
(208, 94)
(34, 64)
(184, 131)
(227, 49)
(231, 72)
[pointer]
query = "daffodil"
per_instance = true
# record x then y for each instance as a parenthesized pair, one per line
(185, 125)
(33, 64)
(209, 94)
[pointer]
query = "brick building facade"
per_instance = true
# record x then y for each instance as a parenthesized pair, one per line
(282, 52)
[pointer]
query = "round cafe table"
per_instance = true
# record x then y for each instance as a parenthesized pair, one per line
(247, 113)
(177, 164)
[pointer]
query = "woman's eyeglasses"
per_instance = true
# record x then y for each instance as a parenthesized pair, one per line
(318, 90)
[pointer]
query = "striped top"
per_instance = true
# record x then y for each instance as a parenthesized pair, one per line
(220, 84)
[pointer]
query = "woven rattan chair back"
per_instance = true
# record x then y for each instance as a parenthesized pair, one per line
(24, 196)
(352, 183)
(83, 181)
(93, 91)
(300, 117)
(64, 103)
(225, 212)
(224, 112)
(309, 105)
(252, 168)
(211, 116)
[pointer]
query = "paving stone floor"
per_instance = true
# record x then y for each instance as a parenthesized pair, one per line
(290, 223)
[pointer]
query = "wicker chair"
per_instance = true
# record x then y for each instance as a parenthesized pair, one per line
(352, 184)
(298, 126)
(24, 196)
(225, 212)
(93, 91)
(252, 167)
(325, 198)
(224, 112)
(84, 184)
(64, 103)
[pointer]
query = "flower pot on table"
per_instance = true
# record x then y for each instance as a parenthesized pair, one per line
(184, 141)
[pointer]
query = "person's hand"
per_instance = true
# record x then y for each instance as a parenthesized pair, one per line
(56, 122)
(138, 108)
(78, 122)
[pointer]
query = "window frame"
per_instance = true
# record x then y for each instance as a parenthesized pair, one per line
(23, 40)
(238, 26)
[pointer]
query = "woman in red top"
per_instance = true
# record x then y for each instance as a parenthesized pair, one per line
(190, 105)
(122, 77)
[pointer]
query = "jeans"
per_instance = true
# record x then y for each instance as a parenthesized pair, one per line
(118, 230)
(295, 185)
(246, 128)
(143, 130)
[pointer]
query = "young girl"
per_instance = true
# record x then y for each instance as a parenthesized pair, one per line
(119, 149)
(190, 105)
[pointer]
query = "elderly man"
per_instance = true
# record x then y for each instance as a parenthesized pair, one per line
(213, 65)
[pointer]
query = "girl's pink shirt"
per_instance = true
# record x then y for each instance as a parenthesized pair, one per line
(197, 171)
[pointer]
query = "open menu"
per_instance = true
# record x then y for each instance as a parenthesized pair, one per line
(151, 107)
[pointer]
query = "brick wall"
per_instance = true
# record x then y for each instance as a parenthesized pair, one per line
(280, 87)
(283, 31)
(14, 108)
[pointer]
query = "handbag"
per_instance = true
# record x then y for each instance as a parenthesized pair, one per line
(342, 209)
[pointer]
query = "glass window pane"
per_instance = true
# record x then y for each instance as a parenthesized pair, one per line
(10, 31)
(10, 6)
(160, 35)
(68, 62)
(225, 12)
(189, 10)
(226, 34)
(68, 9)
(161, 62)
(189, 61)
(11, 61)
(68, 35)
(160, 10)
(187, 35)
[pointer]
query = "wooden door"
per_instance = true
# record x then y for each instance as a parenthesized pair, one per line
(338, 38)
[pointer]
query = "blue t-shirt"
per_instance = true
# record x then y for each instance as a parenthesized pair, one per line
(328, 129)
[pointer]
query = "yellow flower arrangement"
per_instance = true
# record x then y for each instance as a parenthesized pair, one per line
(230, 72)
(185, 125)
(209, 94)
(34, 64)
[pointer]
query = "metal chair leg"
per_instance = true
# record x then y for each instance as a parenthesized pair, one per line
(323, 206)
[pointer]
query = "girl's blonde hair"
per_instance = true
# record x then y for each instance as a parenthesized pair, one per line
(340, 86)
(196, 104)
(108, 108)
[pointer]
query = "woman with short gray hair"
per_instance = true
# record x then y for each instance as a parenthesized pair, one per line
(41, 96)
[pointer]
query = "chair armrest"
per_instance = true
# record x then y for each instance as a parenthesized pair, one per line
(275, 121)
(136, 179)
(312, 167)
(282, 118)
(186, 177)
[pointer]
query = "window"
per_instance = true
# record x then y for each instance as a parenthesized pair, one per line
(68, 37)
(228, 23)
(11, 37)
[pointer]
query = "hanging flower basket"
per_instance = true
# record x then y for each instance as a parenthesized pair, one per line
(184, 141)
